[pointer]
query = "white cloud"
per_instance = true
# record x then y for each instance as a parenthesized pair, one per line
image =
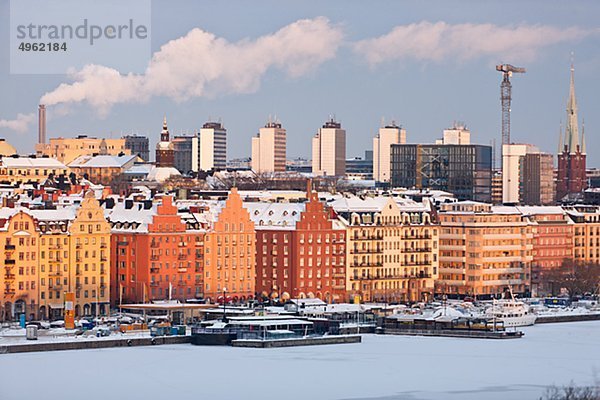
(19, 124)
(442, 42)
(201, 64)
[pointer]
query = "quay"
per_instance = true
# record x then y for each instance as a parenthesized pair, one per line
(294, 342)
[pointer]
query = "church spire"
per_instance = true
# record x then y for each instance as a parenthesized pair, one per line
(572, 129)
(164, 135)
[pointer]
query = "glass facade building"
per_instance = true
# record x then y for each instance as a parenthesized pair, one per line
(464, 170)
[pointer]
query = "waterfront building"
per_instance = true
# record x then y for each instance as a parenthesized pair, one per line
(301, 250)
(483, 250)
(391, 249)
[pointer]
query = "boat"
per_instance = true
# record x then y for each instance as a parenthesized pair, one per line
(511, 312)
(218, 333)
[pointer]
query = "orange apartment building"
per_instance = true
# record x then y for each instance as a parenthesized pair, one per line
(483, 250)
(160, 252)
(230, 251)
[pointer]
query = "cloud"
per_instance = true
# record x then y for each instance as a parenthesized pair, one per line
(442, 42)
(201, 64)
(19, 124)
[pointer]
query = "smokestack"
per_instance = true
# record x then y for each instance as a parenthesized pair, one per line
(42, 124)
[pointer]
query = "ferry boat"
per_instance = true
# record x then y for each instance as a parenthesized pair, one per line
(511, 312)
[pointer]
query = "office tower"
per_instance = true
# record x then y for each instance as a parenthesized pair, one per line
(388, 135)
(213, 146)
(329, 150)
(269, 149)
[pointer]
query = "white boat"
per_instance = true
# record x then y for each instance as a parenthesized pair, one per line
(511, 312)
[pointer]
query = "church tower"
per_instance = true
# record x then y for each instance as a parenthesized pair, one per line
(571, 179)
(165, 153)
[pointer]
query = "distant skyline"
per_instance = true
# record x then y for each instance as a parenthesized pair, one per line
(422, 65)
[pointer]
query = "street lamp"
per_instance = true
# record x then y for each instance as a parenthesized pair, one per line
(224, 302)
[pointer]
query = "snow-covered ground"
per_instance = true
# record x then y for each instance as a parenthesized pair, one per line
(380, 368)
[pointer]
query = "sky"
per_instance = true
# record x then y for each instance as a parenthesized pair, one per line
(422, 64)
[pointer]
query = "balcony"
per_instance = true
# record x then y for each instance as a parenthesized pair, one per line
(199, 255)
(55, 286)
(153, 283)
(55, 273)
(154, 270)
(417, 250)
(103, 245)
(102, 271)
(182, 257)
(9, 262)
(154, 245)
(102, 285)
(181, 270)
(103, 258)
(9, 291)
(154, 257)
(9, 247)
(78, 286)
(77, 259)
(9, 277)
(78, 246)
(198, 270)
(55, 260)
(55, 247)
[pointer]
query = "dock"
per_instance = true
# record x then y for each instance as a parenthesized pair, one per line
(83, 344)
(455, 333)
(550, 319)
(294, 342)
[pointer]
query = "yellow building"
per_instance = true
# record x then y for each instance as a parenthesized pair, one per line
(68, 149)
(586, 233)
(29, 170)
(483, 250)
(51, 252)
(391, 249)
(6, 149)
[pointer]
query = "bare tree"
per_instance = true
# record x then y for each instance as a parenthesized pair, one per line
(577, 278)
(572, 392)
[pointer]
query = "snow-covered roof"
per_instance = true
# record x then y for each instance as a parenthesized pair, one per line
(161, 174)
(103, 161)
(134, 219)
(357, 204)
(274, 215)
(26, 162)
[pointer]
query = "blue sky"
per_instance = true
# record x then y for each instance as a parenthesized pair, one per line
(423, 86)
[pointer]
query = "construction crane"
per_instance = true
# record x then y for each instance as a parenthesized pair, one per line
(506, 97)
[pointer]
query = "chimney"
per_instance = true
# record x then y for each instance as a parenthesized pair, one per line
(42, 124)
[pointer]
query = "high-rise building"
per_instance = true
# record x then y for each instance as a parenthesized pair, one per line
(388, 135)
(213, 147)
(527, 175)
(511, 162)
(183, 148)
(138, 145)
(165, 154)
(462, 169)
(497, 187)
(571, 179)
(537, 179)
(329, 150)
(269, 149)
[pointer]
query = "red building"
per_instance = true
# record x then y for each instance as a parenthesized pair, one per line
(155, 254)
(300, 250)
(571, 179)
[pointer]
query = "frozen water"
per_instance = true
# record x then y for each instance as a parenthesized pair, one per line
(381, 368)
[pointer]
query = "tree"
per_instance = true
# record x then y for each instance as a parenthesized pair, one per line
(576, 277)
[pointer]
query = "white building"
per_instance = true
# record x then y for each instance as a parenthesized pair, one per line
(329, 150)
(511, 164)
(269, 149)
(388, 135)
(458, 134)
(213, 146)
